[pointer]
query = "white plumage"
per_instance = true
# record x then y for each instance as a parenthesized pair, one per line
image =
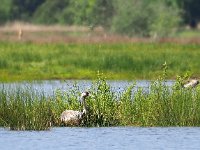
(73, 117)
(191, 83)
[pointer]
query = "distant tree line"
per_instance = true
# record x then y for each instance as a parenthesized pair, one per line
(132, 17)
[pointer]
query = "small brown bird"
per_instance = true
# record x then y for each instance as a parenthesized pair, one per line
(192, 83)
(73, 117)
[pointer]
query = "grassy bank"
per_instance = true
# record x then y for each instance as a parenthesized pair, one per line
(26, 109)
(28, 61)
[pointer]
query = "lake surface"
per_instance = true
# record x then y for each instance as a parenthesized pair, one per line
(111, 138)
(50, 86)
(114, 138)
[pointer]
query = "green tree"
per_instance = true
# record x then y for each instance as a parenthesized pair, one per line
(24, 9)
(191, 9)
(102, 13)
(5, 10)
(145, 18)
(64, 12)
(81, 12)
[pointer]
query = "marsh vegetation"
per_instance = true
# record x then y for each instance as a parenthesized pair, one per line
(161, 105)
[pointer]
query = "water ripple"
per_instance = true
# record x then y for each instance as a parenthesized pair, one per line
(115, 138)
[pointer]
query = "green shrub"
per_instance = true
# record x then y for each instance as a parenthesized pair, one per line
(144, 18)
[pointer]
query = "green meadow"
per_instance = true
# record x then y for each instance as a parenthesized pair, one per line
(31, 61)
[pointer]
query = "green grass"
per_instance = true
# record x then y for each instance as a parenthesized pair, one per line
(29, 61)
(27, 109)
(188, 33)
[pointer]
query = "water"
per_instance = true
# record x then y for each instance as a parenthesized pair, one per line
(50, 86)
(114, 138)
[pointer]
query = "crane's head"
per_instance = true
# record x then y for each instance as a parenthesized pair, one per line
(83, 96)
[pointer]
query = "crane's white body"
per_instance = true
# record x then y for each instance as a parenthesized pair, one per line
(68, 115)
(74, 117)
(191, 84)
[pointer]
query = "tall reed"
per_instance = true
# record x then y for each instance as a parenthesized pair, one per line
(24, 110)
(160, 105)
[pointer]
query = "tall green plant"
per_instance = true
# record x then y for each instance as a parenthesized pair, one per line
(159, 105)
(24, 110)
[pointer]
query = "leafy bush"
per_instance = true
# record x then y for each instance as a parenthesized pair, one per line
(50, 12)
(5, 10)
(144, 18)
(87, 12)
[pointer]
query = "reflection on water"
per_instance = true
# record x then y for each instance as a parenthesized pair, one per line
(115, 138)
(50, 86)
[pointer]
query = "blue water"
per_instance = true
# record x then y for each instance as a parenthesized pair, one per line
(50, 86)
(115, 138)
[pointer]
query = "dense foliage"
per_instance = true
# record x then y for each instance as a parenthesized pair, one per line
(145, 18)
(132, 17)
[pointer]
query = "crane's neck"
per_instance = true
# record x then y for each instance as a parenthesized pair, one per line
(84, 105)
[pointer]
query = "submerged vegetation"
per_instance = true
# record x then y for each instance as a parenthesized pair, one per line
(160, 105)
(31, 61)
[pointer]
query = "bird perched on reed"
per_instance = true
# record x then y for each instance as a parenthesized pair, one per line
(192, 83)
(73, 117)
